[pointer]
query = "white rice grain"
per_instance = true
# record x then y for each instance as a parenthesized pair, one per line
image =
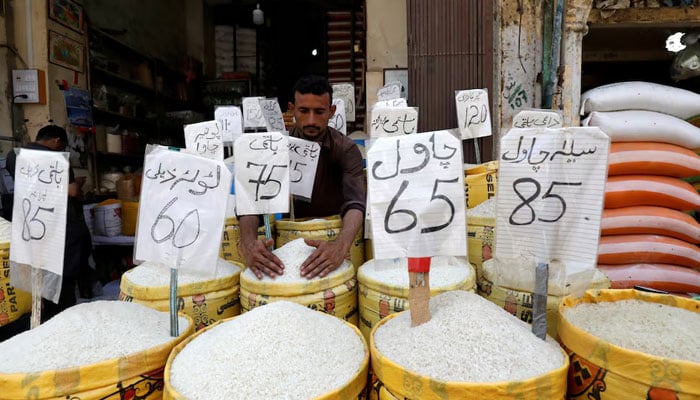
(151, 274)
(468, 339)
(485, 209)
(444, 271)
(85, 334)
(5, 231)
(292, 255)
(278, 351)
(652, 328)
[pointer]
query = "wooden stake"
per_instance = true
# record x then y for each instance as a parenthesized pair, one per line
(419, 289)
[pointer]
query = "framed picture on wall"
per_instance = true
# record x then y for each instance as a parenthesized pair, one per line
(66, 52)
(397, 74)
(67, 13)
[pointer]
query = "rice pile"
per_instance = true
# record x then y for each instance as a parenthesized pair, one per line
(486, 209)
(292, 255)
(468, 339)
(5, 231)
(85, 334)
(278, 351)
(652, 328)
(152, 274)
(444, 271)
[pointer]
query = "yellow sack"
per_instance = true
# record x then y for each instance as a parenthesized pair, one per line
(480, 183)
(138, 375)
(231, 239)
(319, 229)
(205, 302)
(339, 301)
(377, 299)
(602, 370)
(402, 383)
(350, 390)
(13, 302)
(480, 236)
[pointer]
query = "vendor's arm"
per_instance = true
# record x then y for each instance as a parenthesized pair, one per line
(256, 251)
(330, 255)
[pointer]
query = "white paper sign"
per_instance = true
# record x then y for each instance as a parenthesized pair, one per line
(400, 102)
(183, 217)
(551, 185)
(230, 121)
(252, 113)
(473, 113)
(39, 210)
(262, 173)
(538, 118)
(303, 161)
(204, 139)
(274, 121)
(393, 121)
(390, 91)
(416, 186)
(346, 91)
(337, 120)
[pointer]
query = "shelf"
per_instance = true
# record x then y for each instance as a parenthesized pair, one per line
(127, 157)
(123, 79)
(664, 17)
(122, 117)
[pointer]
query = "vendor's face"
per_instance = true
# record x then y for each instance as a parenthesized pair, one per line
(311, 113)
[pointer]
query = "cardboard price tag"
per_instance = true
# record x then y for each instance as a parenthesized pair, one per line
(551, 186)
(416, 187)
(262, 173)
(230, 121)
(253, 116)
(204, 139)
(390, 91)
(346, 91)
(181, 223)
(400, 102)
(473, 113)
(337, 121)
(303, 161)
(274, 121)
(393, 121)
(39, 210)
(538, 118)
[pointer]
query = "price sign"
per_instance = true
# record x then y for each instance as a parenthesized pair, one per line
(262, 173)
(390, 91)
(181, 223)
(393, 121)
(473, 113)
(346, 91)
(274, 121)
(303, 161)
(230, 121)
(551, 185)
(39, 211)
(337, 121)
(204, 139)
(416, 186)
(538, 118)
(400, 102)
(253, 116)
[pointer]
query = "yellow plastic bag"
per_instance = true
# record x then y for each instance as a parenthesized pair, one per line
(480, 237)
(350, 390)
(480, 183)
(402, 383)
(602, 370)
(231, 239)
(13, 302)
(319, 229)
(138, 375)
(205, 302)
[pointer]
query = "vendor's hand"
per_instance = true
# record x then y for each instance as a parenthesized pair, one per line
(327, 257)
(260, 260)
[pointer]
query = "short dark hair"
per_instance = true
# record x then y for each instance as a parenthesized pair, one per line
(52, 131)
(314, 84)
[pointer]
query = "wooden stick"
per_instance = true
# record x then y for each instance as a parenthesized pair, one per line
(419, 289)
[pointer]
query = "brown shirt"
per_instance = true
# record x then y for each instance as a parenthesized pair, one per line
(339, 184)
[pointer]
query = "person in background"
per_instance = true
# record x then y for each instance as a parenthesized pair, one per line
(338, 189)
(78, 241)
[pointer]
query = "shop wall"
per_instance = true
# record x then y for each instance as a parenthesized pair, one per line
(386, 43)
(6, 63)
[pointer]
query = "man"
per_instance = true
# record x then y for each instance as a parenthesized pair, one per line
(78, 242)
(338, 187)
